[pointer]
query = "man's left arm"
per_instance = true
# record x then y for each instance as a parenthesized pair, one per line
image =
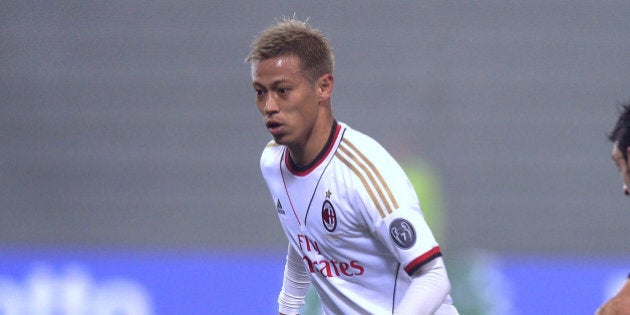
(428, 289)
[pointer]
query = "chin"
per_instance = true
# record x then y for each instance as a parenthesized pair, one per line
(279, 140)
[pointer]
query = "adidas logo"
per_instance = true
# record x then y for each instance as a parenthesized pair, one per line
(279, 207)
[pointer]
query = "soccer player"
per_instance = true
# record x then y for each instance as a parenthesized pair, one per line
(620, 137)
(351, 216)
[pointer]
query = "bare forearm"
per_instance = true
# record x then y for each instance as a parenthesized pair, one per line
(619, 304)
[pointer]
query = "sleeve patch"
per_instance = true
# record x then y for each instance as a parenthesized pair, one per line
(402, 233)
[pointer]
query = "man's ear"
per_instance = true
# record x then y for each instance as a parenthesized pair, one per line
(325, 86)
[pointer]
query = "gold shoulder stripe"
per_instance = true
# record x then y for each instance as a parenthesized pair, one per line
(365, 184)
(370, 177)
(367, 172)
(376, 172)
(271, 143)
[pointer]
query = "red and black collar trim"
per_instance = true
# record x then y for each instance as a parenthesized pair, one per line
(305, 170)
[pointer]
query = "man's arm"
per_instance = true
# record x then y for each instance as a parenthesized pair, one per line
(619, 304)
(429, 287)
(294, 286)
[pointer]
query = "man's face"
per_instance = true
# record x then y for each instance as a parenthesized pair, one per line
(286, 99)
(622, 165)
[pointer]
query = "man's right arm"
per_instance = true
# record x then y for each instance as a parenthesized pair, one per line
(294, 286)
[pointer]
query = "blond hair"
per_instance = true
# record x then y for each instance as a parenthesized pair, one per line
(292, 37)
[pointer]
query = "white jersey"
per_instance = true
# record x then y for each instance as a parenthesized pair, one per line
(355, 219)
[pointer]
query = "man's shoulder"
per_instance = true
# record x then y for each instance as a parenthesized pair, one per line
(271, 154)
(358, 148)
(271, 144)
(359, 140)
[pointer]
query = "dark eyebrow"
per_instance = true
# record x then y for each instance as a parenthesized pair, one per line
(274, 84)
(278, 82)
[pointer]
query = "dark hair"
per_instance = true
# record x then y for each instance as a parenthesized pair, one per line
(620, 135)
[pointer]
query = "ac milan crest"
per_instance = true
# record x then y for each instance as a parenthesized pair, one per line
(329, 217)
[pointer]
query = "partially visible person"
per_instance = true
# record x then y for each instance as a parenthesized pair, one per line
(620, 137)
(618, 304)
(350, 214)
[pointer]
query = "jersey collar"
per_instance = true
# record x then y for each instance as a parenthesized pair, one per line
(305, 170)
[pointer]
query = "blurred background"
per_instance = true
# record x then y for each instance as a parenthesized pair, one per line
(129, 149)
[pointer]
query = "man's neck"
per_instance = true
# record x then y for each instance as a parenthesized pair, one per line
(303, 158)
